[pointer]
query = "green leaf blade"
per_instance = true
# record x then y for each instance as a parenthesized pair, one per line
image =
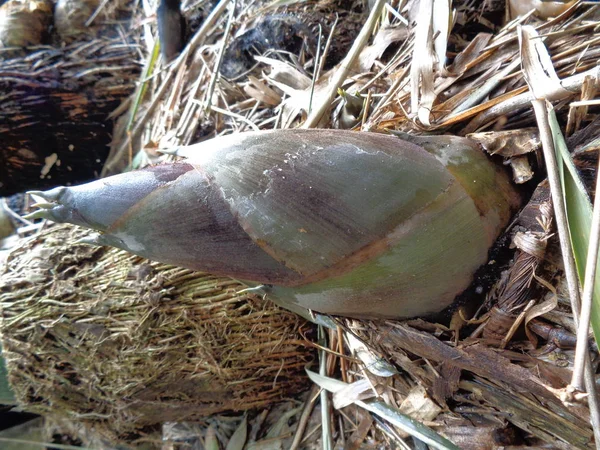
(579, 214)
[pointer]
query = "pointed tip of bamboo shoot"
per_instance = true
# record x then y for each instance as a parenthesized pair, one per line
(39, 214)
(50, 196)
(45, 201)
(168, 151)
(183, 151)
(92, 239)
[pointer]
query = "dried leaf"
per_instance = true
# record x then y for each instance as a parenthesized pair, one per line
(522, 171)
(261, 92)
(297, 86)
(210, 439)
(359, 390)
(543, 8)
(469, 54)
(537, 66)
(239, 436)
(384, 38)
(429, 54)
(538, 310)
(358, 436)
(392, 415)
(282, 423)
(373, 363)
(419, 406)
(300, 100)
(286, 74)
(278, 432)
(509, 143)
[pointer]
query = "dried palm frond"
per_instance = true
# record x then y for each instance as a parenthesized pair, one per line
(483, 84)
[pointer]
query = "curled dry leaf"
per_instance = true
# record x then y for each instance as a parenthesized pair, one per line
(537, 66)
(285, 74)
(373, 363)
(508, 143)
(295, 85)
(542, 8)
(522, 171)
(261, 92)
(419, 405)
(388, 413)
(429, 54)
(359, 390)
(384, 38)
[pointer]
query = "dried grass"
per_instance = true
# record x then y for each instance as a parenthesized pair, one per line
(481, 89)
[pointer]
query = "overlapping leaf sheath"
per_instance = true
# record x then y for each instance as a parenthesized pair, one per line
(356, 224)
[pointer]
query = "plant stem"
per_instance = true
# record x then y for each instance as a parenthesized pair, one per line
(304, 418)
(327, 443)
(588, 292)
(217, 68)
(512, 104)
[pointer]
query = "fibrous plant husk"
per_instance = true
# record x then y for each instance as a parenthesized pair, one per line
(56, 102)
(120, 345)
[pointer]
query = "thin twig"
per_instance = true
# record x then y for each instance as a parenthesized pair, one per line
(327, 443)
(516, 324)
(342, 73)
(326, 49)
(588, 292)
(96, 12)
(215, 77)
(487, 87)
(234, 115)
(303, 422)
(316, 70)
